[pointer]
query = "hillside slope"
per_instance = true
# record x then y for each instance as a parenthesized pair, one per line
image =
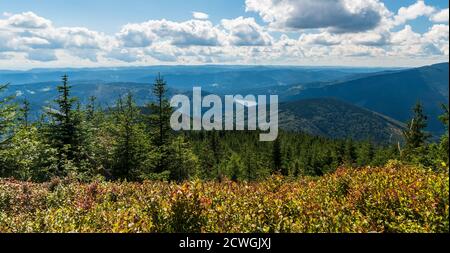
(337, 119)
(393, 93)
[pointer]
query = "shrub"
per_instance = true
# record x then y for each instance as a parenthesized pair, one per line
(396, 198)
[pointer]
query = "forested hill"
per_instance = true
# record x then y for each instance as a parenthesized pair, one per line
(337, 119)
(394, 93)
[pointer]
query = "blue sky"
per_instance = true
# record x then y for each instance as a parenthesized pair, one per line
(142, 32)
(110, 15)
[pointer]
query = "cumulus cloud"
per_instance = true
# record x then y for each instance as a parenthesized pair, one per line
(188, 33)
(246, 32)
(438, 35)
(406, 42)
(324, 39)
(125, 54)
(336, 15)
(440, 17)
(373, 39)
(200, 15)
(413, 11)
(136, 35)
(28, 20)
(38, 39)
(406, 36)
(291, 33)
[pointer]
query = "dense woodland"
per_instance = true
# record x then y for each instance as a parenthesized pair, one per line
(128, 142)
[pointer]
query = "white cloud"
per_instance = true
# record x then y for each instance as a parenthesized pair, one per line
(413, 11)
(440, 17)
(125, 55)
(200, 15)
(30, 40)
(28, 20)
(136, 35)
(5, 56)
(438, 35)
(406, 42)
(246, 32)
(324, 39)
(405, 36)
(336, 15)
(188, 33)
(38, 39)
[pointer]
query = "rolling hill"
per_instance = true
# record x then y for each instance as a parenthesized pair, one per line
(337, 119)
(391, 93)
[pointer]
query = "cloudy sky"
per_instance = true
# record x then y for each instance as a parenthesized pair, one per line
(98, 33)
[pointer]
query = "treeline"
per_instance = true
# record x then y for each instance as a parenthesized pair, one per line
(128, 142)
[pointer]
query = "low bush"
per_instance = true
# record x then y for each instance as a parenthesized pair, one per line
(392, 199)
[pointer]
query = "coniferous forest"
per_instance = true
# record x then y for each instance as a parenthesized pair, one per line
(123, 169)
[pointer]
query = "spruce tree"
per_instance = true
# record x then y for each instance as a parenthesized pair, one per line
(444, 139)
(183, 162)
(25, 113)
(159, 122)
(64, 126)
(91, 108)
(126, 116)
(365, 153)
(215, 146)
(161, 111)
(349, 152)
(276, 156)
(7, 116)
(415, 135)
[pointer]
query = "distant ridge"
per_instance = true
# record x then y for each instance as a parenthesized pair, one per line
(393, 93)
(338, 119)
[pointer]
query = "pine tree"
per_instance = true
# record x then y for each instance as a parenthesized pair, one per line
(276, 156)
(159, 121)
(349, 153)
(127, 149)
(444, 139)
(183, 163)
(161, 110)
(91, 108)
(288, 162)
(64, 127)
(25, 113)
(415, 135)
(365, 153)
(215, 146)
(234, 167)
(7, 116)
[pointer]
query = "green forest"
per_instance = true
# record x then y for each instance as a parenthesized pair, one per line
(135, 143)
(84, 168)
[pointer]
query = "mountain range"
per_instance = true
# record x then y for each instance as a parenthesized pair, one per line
(393, 93)
(359, 103)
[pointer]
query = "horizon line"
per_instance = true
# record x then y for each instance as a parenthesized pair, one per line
(224, 65)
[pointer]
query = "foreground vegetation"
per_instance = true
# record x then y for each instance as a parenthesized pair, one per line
(391, 199)
(83, 168)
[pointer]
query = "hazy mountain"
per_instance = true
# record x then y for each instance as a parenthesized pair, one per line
(337, 119)
(43, 94)
(392, 93)
(215, 78)
(388, 92)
